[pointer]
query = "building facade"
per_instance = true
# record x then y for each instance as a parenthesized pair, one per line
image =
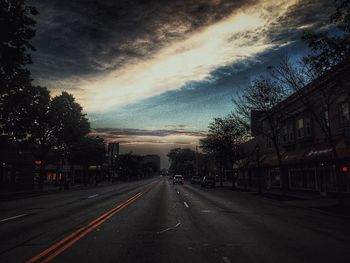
(313, 139)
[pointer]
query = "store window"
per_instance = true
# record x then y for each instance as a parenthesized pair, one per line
(344, 113)
(303, 178)
(275, 177)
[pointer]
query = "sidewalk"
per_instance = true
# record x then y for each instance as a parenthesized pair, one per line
(308, 200)
(311, 200)
(48, 189)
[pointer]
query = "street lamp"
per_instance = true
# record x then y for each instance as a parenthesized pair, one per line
(257, 154)
(235, 156)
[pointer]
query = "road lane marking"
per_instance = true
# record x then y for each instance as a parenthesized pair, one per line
(169, 228)
(92, 196)
(186, 205)
(13, 217)
(226, 259)
(53, 251)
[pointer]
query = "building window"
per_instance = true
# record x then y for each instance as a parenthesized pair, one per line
(300, 125)
(275, 177)
(291, 132)
(285, 134)
(304, 178)
(268, 142)
(308, 130)
(344, 112)
(326, 118)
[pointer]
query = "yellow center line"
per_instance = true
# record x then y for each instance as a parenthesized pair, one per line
(72, 238)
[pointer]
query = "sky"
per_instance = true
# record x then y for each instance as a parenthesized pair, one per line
(152, 75)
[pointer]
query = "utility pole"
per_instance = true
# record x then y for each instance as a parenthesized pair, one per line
(197, 172)
(257, 152)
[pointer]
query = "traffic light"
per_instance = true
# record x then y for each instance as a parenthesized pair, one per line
(344, 168)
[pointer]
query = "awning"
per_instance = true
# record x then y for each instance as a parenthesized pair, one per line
(269, 159)
(293, 156)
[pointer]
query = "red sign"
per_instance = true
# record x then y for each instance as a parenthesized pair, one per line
(345, 169)
(37, 162)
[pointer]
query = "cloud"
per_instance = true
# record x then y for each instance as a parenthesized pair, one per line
(89, 37)
(160, 55)
(113, 53)
(142, 136)
(239, 36)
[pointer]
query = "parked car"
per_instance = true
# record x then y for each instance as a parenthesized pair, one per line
(195, 180)
(208, 181)
(218, 179)
(178, 179)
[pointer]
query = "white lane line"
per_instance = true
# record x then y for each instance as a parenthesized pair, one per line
(92, 196)
(170, 228)
(226, 259)
(186, 205)
(13, 217)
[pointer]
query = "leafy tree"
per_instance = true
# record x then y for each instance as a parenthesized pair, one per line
(328, 50)
(182, 161)
(130, 166)
(89, 150)
(16, 27)
(58, 123)
(16, 90)
(223, 140)
(70, 123)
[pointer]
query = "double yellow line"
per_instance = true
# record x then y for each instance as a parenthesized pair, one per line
(54, 250)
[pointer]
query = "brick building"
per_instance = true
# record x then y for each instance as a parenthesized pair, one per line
(313, 139)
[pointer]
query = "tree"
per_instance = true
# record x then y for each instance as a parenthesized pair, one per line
(129, 166)
(16, 27)
(223, 140)
(16, 90)
(182, 161)
(263, 95)
(328, 50)
(89, 150)
(57, 124)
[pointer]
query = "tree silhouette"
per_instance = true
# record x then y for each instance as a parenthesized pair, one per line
(328, 50)
(223, 140)
(182, 161)
(16, 90)
(56, 123)
(89, 150)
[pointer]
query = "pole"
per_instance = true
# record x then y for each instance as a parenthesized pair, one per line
(257, 149)
(197, 160)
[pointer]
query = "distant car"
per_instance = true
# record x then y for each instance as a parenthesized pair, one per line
(208, 181)
(195, 180)
(178, 179)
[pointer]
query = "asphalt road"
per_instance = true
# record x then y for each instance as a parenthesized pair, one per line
(155, 221)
